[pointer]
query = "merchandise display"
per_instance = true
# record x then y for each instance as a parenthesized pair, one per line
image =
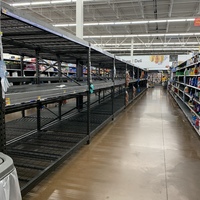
(185, 88)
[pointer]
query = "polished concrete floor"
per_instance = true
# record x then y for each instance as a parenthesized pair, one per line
(149, 152)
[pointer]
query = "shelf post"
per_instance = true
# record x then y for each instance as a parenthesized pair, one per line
(2, 102)
(38, 115)
(23, 113)
(113, 87)
(88, 93)
(60, 109)
(59, 67)
(22, 65)
(125, 91)
(37, 67)
(79, 70)
(79, 76)
(99, 96)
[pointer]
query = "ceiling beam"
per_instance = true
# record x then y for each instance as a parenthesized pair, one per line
(170, 14)
(142, 13)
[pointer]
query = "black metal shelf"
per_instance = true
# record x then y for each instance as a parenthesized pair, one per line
(41, 141)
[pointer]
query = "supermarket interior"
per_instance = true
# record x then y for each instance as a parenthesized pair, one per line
(99, 99)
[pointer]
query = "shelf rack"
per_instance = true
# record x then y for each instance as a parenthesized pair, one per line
(41, 141)
(185, 91)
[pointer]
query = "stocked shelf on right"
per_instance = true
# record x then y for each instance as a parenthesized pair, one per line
(185, 88)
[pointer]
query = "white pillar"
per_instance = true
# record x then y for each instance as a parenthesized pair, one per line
(132, 45)
(79, 18)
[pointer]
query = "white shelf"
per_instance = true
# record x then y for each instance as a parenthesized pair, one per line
(13, 70)
(192, 110)
(180, 83)
(188, 66)
(186, 111)
(179, 75)
(192, 87)
(193, 75)
(185, 107)
(181, 91)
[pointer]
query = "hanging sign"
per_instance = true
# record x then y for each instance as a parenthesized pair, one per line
(197, 21)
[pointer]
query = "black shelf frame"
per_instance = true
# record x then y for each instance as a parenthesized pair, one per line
(46, 138)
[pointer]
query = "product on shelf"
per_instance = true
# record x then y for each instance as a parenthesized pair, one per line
(186, 89)
(198, 82)
(127, 98)
(127, 78)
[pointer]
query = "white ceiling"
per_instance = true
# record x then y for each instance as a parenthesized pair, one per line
(117, 38)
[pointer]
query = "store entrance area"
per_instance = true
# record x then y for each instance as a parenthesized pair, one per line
(149, 152)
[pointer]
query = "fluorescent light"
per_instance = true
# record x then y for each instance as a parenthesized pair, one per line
(64, 25)
(20, 4)
(121, 23)
(183, 34)
(63, 1)
(176, 20)
(154, 49)
(157, 21)
(190, 20)
(71, 24)
(40, 2)
(59, 25)
(45, 2)
(148, 44)
(143, 35)
(106, 23)
(135, 22)
(139, 22)
(91, 24)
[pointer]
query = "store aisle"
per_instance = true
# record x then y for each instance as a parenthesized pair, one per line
(149, 152)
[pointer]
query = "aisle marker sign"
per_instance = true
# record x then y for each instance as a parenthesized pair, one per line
(197, 21)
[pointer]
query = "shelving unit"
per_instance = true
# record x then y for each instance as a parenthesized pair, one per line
(40, 141)
(185, 89)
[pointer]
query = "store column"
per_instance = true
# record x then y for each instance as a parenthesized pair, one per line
(79, 18)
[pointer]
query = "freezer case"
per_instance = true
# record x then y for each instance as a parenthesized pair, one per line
(9, 184)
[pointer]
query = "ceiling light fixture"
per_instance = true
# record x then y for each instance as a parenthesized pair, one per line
(131, 22)
(44, 2)
(20, 4)
(40, 3)
(155, 49)
(142, 35)
(148, 44)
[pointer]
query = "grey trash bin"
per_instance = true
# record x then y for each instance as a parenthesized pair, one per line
(9, 184)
